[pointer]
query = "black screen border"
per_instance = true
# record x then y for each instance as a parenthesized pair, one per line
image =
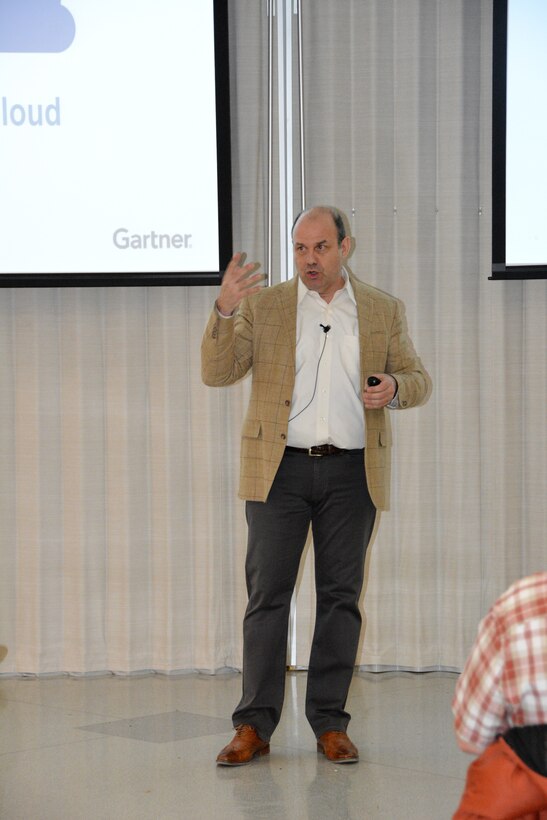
(501, 270)
(224, 198)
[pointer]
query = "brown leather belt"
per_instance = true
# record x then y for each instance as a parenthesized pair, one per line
(321, 450)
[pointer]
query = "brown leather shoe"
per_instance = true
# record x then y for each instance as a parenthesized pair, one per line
(337, 747)
(245, 745)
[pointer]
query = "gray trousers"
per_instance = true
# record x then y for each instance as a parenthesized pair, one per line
(330, 493)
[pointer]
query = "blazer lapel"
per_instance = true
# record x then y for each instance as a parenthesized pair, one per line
(287, 302)
(365, 317)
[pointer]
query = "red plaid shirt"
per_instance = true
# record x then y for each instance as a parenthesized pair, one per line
(504, 682)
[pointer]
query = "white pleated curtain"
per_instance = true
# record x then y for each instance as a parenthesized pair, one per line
(122, 541)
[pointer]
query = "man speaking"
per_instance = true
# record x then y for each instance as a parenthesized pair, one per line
(328, 354)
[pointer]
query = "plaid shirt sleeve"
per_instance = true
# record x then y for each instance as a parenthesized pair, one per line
(478, 705)
(504, 682)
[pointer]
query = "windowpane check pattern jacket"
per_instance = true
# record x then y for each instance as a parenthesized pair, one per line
(261, 338)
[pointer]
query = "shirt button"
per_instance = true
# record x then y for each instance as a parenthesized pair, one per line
(287, 403)
(283, 436)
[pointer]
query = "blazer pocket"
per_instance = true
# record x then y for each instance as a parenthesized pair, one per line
(378, 438)
(252, 428)
(385, 438)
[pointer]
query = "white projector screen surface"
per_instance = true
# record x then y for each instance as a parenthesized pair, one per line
(526, 157)
(108, 137)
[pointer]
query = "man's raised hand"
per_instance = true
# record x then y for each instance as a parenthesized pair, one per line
(238, 281)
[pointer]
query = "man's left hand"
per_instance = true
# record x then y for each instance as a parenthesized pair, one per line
(381, 394)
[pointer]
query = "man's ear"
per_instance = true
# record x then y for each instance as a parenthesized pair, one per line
(345, 246)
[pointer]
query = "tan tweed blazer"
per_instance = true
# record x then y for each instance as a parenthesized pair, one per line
(262, 337)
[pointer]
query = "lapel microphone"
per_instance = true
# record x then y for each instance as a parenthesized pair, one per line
(326, 328)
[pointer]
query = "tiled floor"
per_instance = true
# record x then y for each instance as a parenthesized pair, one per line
(144, 747)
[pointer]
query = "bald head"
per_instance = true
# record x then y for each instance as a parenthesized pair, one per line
(322, 211)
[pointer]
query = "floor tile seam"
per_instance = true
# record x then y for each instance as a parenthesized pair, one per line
(387, 689)
(401, 686)
(43, 748)
(184, 712)
(362, 759)
(109, 716)
(413, 770)
(196, 714)
(414, 679)
(64, 710)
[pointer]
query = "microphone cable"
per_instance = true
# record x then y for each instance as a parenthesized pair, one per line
(326, 329)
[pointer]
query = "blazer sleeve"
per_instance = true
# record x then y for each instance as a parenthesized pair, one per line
(227, 348)
(405, 365)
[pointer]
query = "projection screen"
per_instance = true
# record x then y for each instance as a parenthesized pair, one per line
(114, 142)
(519, 148)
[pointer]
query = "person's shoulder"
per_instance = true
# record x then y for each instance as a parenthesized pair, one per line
(525, 598)
(269, 293)
(371, 291)
(535, 584)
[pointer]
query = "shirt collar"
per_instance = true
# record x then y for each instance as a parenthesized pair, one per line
(304, 291)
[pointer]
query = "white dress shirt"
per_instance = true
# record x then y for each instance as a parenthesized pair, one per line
(327, 407)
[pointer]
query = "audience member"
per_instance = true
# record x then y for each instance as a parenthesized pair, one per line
(500, 708)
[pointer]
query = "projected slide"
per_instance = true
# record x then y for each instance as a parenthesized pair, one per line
(526, 169)
(108, 152)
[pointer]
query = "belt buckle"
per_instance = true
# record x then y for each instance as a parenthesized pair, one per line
(315, 455)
